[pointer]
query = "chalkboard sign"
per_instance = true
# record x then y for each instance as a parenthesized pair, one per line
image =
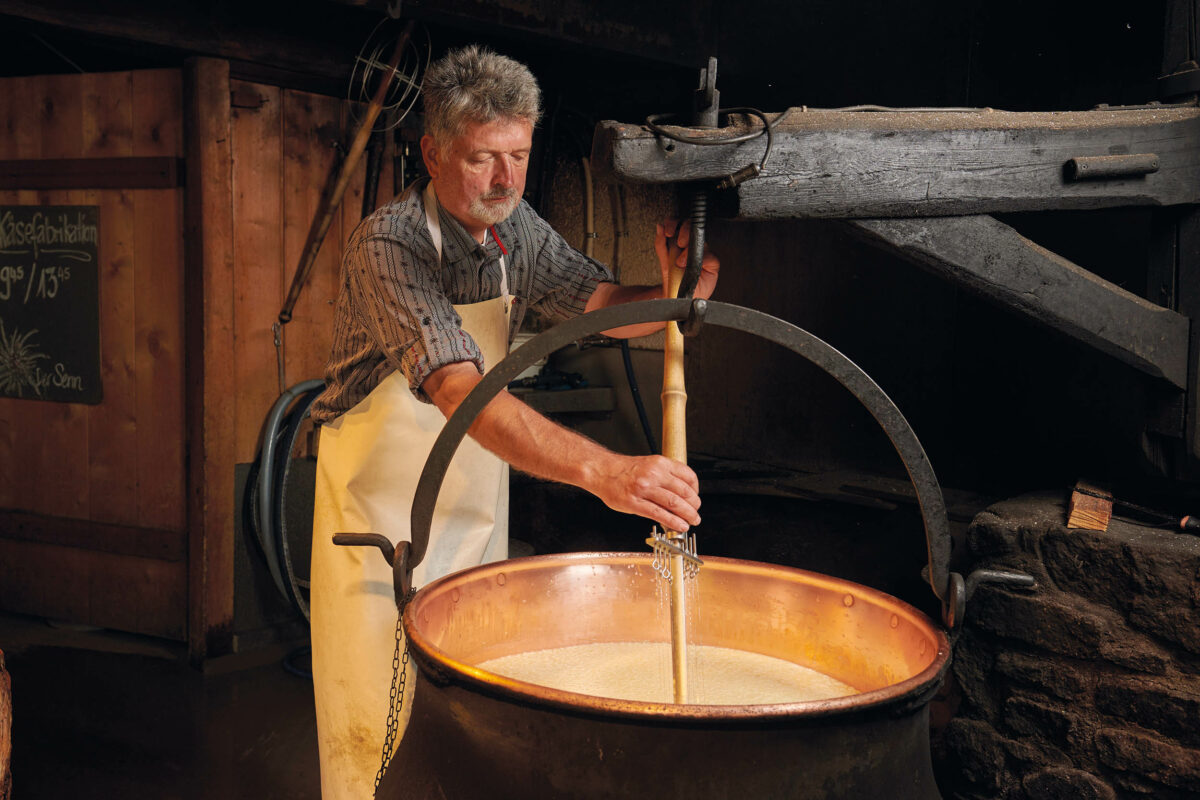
(49, 303)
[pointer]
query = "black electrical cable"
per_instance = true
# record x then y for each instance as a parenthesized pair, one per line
(631, 376)
(655, 123)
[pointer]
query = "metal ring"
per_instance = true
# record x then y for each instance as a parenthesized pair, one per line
(818, 352)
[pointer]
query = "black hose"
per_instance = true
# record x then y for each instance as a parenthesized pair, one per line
(268, 477)
(295, 419)
(291, 666)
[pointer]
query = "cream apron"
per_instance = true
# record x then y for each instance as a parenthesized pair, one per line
(369, 461)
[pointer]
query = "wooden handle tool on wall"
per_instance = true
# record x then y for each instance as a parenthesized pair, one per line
(331, 201)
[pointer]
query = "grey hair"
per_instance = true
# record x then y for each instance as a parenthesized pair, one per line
(474, 84)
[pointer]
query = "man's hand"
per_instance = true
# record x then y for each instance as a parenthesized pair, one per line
(654, 487)
(671, 245)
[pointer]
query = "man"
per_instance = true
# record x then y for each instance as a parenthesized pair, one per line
(434, 286)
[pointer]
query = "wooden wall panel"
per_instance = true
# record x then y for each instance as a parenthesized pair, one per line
(158, 296)
(23, 140)
(258, 256)
(121, 461)
(142, 595)
(112, 425)
(312, 123)
(284, 158)
(256, 174)
(158, 359)
(11, 471)
(211, 386)
(58, 451)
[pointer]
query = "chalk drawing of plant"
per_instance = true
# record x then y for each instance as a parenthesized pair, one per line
(17, 362)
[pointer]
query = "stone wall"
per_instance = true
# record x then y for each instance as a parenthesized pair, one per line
(1089, 685)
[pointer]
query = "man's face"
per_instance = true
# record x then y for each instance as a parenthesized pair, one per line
(479, 176)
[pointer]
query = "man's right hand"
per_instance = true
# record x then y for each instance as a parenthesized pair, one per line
(654, 487)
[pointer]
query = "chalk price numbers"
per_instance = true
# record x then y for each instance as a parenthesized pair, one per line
(44, 282)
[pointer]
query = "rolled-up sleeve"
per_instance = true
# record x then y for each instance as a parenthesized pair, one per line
(402, 306)
(564, 279)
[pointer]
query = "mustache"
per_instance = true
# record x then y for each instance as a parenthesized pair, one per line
(501, 193)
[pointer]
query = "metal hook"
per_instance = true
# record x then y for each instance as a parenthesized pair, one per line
(695, 317)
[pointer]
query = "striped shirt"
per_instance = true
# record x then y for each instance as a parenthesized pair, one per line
(395, 306)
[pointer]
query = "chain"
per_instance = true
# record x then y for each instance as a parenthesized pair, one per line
(396, 698)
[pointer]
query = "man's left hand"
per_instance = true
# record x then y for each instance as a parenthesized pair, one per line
(671, 244)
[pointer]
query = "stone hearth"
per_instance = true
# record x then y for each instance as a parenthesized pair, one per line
(1089, 685)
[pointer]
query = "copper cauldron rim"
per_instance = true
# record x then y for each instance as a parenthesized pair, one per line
(914, 690)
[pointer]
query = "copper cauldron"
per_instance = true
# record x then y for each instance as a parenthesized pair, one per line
(476, 734)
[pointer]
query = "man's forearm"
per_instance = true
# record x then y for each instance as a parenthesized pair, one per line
(537, 445)
(652, 486)
(612, 294)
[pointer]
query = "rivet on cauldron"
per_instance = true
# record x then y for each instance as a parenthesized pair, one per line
(500, 579)
(924, 646)
(895, 621)
(456, 595)
(848, 600)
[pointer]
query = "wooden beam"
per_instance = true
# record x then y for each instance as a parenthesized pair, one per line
(146, 172)
(209, 344)
(82, 534)
(289, 42)
(991, 259)
(860, 164)
(684, 34)
(122, 592)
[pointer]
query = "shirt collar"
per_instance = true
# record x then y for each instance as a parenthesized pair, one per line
(457, 244)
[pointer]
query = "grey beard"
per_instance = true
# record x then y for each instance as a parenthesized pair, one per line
(489, 214)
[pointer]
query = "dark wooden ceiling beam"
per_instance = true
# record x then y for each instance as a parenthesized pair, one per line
(677, 32)
(992, 259)
(847, 164)
(301, 42)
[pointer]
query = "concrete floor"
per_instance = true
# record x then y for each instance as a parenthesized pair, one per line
(100, 714)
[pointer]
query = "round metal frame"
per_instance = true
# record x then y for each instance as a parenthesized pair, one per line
(692, 314)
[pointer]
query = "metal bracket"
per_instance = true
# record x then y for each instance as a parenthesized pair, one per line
(707, 100)
(396, 556)
(695, 317)
(982, 576)
(954, 610)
